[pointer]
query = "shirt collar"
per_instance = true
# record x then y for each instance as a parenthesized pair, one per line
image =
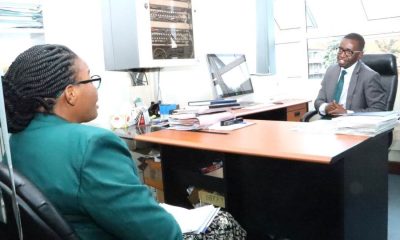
(45, 119)
(349, 70)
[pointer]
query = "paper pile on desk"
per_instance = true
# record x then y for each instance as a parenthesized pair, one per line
(202, 110)
(190, 121)
(192, 220)
(366, 123)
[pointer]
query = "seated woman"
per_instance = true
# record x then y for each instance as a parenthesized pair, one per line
(86, 172)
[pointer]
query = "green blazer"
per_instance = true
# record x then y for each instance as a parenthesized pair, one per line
(89, 175)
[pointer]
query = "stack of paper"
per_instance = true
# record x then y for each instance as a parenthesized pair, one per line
(192, 220)
(190, 121)
(366, 123)
(202, 110)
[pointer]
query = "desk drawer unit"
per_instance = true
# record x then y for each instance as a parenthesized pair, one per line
(294, 113)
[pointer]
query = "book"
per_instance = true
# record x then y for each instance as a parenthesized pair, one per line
(221, 105)
(219, 173)
(213, 198)
(211, 102)
(214, 166)
(194, 220)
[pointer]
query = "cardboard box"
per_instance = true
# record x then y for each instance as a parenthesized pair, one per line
(160, 196)
(212, 198)
(152, 175)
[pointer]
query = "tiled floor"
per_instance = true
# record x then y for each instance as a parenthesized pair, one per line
(394, 207)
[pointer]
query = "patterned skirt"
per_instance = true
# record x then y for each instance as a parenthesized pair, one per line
(223, 227)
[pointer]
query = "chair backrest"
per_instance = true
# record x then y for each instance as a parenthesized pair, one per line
(40, 219)
(386, 66)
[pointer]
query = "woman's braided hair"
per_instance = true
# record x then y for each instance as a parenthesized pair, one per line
(34, 80)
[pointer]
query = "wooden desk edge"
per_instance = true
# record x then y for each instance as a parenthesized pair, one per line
(282, 156)
(286, 103)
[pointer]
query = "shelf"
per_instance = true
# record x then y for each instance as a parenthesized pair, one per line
(22, 30)
(199, 180)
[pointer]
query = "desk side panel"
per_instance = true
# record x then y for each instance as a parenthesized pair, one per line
(366, 190)
(294, 200)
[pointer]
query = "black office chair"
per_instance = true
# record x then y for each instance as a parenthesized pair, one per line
(40, 219)
(386, 66)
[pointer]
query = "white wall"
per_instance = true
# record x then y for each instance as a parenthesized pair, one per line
(77, 24)
(220, 26)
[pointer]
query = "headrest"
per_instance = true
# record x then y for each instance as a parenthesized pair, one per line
(384, 64)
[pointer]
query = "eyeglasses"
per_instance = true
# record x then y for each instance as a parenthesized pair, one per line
(95, 80)
(347, 52)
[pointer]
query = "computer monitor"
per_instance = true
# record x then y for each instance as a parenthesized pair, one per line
(230, 75)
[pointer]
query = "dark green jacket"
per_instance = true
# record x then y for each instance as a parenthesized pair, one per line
(88, 174)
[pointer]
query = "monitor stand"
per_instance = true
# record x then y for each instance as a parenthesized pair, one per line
(249, 100)
(244, 100)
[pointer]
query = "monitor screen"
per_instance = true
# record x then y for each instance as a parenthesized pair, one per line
(230, 74)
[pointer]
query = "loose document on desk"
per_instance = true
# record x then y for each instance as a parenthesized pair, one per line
(218, 127)
(194, 220)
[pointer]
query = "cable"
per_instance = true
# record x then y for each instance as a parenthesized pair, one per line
(158, 80)
(6, 143)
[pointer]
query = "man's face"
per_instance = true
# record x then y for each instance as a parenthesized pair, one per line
(348, 52)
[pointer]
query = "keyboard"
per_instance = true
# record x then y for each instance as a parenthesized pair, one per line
(247, 103)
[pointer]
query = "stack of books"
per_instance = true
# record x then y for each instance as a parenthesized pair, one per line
(218, 103)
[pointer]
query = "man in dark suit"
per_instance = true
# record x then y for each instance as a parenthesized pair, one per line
(350, 85)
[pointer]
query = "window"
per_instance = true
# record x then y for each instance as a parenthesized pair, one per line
(326, 22)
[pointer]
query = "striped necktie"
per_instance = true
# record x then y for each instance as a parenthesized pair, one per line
(339, 86)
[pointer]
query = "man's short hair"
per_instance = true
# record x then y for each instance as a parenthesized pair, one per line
(358, 38)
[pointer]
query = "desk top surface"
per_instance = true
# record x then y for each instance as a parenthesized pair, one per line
(269, 107)
(275, 139)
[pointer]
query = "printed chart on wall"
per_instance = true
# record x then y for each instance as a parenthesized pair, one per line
(171, 29)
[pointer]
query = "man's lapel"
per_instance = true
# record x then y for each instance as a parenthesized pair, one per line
(352, 85)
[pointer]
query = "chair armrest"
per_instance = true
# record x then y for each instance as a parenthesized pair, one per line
(308, 115)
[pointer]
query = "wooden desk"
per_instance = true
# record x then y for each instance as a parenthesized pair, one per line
(282, 182)
(286, 110)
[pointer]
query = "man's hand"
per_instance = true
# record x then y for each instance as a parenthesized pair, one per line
(334, 108)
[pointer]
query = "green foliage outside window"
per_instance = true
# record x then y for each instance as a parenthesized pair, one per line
(331, 52)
